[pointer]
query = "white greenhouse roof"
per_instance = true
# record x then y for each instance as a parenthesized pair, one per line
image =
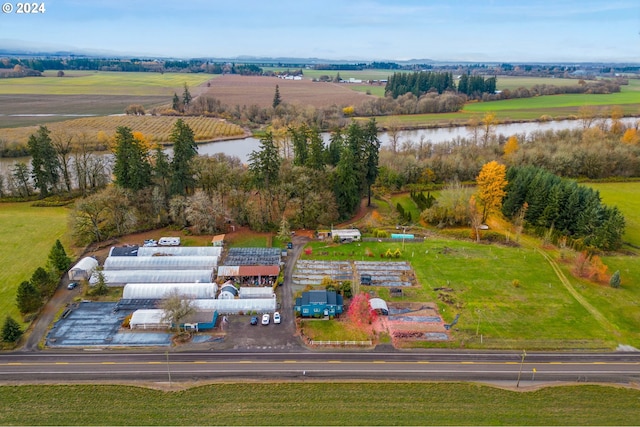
(180, 251)
(378, 304)
(162, 290)
(148, 319)
(256, 292)
(122, 277)
(160, 262)
(86, 264)
(235, 306)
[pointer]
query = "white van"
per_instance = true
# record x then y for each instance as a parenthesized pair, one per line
(169, 241)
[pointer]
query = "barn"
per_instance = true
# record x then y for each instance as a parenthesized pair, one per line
(83, 269)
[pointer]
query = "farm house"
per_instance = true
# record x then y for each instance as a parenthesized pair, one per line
(237, 306)
(123, 277)
(319, 303)
(161, 263)
(180, 251)
(83, 269)
(134, 291)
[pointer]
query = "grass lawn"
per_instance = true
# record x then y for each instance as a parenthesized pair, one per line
(407, 204)
(28, 233)
(313, 403)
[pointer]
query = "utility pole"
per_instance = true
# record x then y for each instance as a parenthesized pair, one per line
(524, 354)
(168, 370)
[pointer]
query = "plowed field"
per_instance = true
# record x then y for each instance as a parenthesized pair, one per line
(259, 90)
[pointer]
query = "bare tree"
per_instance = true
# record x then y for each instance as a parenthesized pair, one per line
(176, 308)
(63, 144)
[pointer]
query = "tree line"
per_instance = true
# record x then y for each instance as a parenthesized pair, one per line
(549, 202)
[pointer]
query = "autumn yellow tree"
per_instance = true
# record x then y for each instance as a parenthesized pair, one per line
(511, 146)
(489, 121)
(491, 181)
(631, 136)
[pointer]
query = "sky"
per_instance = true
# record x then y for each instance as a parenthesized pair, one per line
(367, 30)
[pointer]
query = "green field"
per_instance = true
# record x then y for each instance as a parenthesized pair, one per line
(319, 404)
(626, 196)
(103, 83)
(28, 233)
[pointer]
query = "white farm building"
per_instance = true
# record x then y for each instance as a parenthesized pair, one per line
(134, 291)
(83, 269)
(236, 306)
(123, 277)
(180, 251)
(160, 263)
(148, 319)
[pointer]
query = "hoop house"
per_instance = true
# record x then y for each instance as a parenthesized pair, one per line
(162, 290)
(122, 277)
(161, 263)
(180, 251)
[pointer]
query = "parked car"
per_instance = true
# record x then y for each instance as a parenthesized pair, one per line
(265, 319)
(276, 317)
(254, 320)
(72, 285)
(150, 242)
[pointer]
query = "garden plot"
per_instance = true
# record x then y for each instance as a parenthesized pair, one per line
(388, 274)
(309, 272)
(411, 322)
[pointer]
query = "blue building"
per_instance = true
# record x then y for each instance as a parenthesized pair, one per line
(319, 303)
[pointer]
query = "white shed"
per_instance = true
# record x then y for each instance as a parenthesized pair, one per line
(161, 290)
(148, 319)
(379, 304)
(347, 235)
(83, 269)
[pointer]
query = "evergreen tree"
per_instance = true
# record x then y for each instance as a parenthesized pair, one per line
(176, 105)
(11, 331)
(614, 282)
(161, 171)
(276, 98)
(58, 258)
(184, 150)
(28, 299)
(316, 155)
(186, 96)
(346, 185)
(132, 169)
(299, 138)
(371, 152)
(100, 288)
(43, 282)
(45, 166)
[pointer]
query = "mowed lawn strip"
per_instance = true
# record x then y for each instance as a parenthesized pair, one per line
(28, 233)
(319, 404)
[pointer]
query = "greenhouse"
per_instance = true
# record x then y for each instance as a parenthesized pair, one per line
(134, 291)
(161, 263)
(246, 292)
(180, 251)
(253, 256)
(123, 277)
(83, 269)
(237, 306)
(149, 319)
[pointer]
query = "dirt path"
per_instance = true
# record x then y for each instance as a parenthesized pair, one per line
(578, 297)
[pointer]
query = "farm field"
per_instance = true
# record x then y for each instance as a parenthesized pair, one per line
(247, 90)
(104, 83)
(28, 233)
(318, 404)
(155, 128)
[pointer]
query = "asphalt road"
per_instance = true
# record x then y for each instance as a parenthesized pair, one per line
(207, 366)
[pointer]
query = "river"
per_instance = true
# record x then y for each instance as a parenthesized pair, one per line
(242, 148)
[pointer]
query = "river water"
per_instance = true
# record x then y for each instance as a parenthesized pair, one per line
(242, 148)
